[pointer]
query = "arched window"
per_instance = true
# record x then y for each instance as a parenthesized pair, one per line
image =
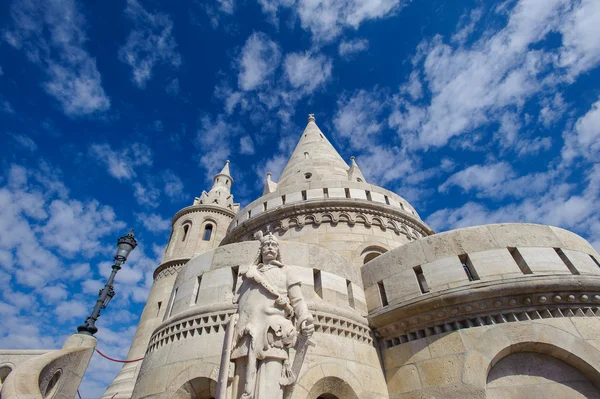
(372, 252)
(186, 229)
(207, 232)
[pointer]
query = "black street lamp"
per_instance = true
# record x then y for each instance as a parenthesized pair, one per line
(125, 245)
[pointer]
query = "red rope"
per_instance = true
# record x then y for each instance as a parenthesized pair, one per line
(118, 361)
(78, 394)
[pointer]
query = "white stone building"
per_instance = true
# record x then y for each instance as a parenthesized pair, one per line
(494, 311)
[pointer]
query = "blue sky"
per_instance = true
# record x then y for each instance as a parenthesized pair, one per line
(117, 114)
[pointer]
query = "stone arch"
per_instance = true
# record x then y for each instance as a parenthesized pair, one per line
(503, 340)
(198, 381)
(331, 379)
(370, 251)
(5, 369)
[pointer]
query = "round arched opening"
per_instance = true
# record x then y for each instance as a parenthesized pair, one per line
(5, 370)
(197, 388)
(533, 374)
(372, 252)
(332, 388)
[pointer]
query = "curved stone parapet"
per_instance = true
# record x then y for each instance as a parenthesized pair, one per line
(201, 304)
(56, 374)
(341, 216)
(479, 276)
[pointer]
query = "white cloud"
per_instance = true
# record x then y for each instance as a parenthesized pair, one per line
(154, 222)
(472, 85)
(121, 164)
(146, 195)
(172, 88)
(25, 142)
(173, 185)
(51, 33)
(150, 42)
(326, 19)
(581, 48)
(307, 71)
(6, 107)
(584, 140)
(68, 310)
(258, 61)
(246, 145)
(358, 117)
(214, 139)
(349, 48)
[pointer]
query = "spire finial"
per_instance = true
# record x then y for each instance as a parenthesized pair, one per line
(353, 160)
(311, 117)
(269, 176)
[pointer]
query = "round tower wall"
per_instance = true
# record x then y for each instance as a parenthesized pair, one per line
(356, 220)
(201, 304)
(152, 315)
(448, 307)
(189, 231)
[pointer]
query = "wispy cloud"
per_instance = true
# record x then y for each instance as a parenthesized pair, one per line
(51, 34)
(307, 71)
(121, 164)
(151, 42)
(347, 49)
(25, 142)
(259, 59)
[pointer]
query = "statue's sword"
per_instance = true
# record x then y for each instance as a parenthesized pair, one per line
(303, 344)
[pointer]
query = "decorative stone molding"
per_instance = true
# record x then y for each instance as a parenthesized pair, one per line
(332, 212)
(216, 322)
(169, 268)
(544, 305)
(204, 208)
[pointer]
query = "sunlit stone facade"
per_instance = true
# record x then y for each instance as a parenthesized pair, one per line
(497, 311)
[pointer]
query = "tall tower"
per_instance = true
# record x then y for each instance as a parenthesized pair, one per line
(195, 229)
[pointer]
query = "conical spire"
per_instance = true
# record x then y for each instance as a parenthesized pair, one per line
(354, 173)
(220, 193)
(313, 159)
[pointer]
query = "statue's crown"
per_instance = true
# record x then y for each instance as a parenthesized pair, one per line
(266, 238)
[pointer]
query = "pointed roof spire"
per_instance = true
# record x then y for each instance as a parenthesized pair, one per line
(225, 170)
(354, 173)
(314, 158)
(270, 185)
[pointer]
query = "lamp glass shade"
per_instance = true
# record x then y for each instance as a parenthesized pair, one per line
(123, 250)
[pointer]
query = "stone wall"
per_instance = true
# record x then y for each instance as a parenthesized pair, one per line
(187, 345)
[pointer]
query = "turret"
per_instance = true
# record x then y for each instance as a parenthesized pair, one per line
(319, 199)
(195, 229)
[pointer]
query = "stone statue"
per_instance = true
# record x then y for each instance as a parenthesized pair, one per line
(271, 312)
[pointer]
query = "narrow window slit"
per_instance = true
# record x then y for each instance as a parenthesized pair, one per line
(347, 190)
(197, 290)
(514, 252)
(382, 294)
(368, 195)
(264, 206)
(595, 260)
(304, 195)
(468, 267)
(317, 282)
(283, 199)
(171, 303)
(421, 279)
(566, 261)
(207, 232)
(186, 229)
(234, 274)
(325, 193)
(158, 306)
(350, 293)
(387, 200)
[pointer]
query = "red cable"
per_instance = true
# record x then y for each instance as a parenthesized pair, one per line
(118, 361)
(78, 394)
(113, 395)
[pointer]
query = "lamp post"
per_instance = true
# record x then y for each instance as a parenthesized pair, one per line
(125, 245)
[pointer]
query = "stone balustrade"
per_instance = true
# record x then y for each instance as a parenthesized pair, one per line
(480, 276)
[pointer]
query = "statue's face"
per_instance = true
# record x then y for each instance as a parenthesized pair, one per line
(269, 251)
